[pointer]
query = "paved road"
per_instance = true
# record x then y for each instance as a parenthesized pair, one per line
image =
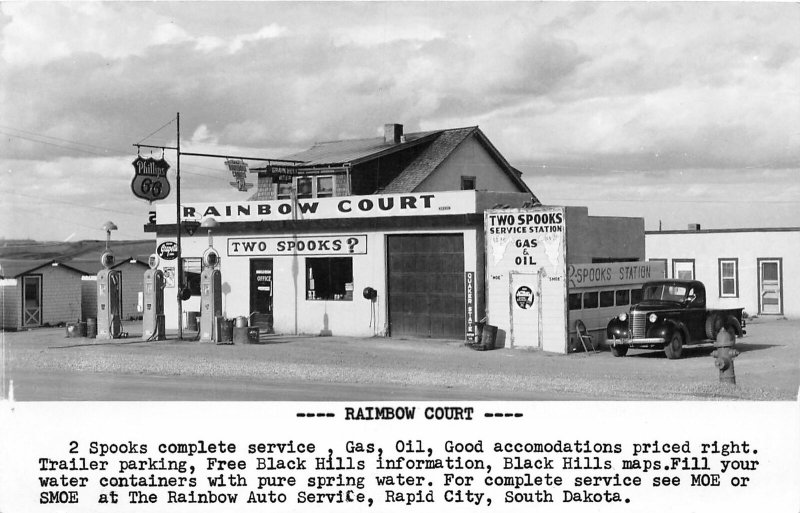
(46, 366)
(70, 386)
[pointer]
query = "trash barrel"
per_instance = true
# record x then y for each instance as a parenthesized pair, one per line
(489, 336)
(91, 327)
(71, 330)
(223, 331)
(80, 327)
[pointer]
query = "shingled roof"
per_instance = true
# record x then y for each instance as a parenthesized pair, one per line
(355, 151)
(433, 148)
(429, 160)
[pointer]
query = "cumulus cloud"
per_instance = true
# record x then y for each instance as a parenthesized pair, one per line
(570, 88)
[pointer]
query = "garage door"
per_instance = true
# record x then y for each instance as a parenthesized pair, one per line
(426, 286)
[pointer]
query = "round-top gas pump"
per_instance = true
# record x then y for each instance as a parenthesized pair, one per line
(210, 287)
(153, 320)
(210, 295)
(109, 299)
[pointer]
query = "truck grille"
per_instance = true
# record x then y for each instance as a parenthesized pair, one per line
(638, 320)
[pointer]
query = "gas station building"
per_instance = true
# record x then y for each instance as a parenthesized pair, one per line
(415, 235)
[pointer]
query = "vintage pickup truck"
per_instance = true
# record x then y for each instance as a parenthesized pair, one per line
(671, 314)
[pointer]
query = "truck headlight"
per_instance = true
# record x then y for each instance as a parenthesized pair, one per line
(623, 317)
(652, 318)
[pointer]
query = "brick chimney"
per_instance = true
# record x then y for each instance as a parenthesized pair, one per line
(392, 133)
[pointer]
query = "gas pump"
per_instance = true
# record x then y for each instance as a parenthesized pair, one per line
(210, 295)
(109, 299)
(153, 299)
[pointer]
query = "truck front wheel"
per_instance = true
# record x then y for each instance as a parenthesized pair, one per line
(674, 347)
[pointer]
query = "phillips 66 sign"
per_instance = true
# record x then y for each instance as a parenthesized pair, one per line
(150, 179)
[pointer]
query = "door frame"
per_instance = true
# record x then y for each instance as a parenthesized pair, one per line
(251, 303)
(38, 278)
(537, 298)
(759, 261)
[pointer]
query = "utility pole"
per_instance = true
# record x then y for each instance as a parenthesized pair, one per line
(179, 278)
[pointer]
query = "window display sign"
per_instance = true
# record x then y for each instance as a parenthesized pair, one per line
(313, 245)
(526, 276)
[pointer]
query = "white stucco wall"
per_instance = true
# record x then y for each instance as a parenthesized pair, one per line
(293, 313)
(707, 247)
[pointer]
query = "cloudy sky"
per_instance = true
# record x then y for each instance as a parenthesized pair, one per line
(675, 112)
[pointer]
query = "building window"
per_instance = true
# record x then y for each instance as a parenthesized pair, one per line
(308, 187)
(636, 296)
(305, 187)
(623, 297)
(329, 279)
(728, 277)
(575, 301)
(324, 187)
(284, 190)
(467, 183)
(589, 300)
(683, 269)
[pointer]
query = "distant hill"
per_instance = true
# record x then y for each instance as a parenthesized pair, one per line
(36, 250)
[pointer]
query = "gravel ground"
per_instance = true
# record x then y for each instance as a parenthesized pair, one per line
(767, 369)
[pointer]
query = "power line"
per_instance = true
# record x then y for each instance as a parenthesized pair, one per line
(159, 129)
(53, 144)
(56, 138)
(71, 204)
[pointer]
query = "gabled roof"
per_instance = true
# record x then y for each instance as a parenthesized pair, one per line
(439, 150)
(16, 268)
(429, 160)
(355, 151)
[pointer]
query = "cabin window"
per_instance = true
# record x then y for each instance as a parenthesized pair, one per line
(683, 269)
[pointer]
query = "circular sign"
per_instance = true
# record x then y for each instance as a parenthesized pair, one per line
(524, 297)
(168, 250)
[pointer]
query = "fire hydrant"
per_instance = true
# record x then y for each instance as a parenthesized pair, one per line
(724, 355)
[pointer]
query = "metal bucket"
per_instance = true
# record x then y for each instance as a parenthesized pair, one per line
(241, 322)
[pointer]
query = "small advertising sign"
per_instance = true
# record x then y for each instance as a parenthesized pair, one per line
(150, 179)
(167, 250)
(238, 169)
(469, 313)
